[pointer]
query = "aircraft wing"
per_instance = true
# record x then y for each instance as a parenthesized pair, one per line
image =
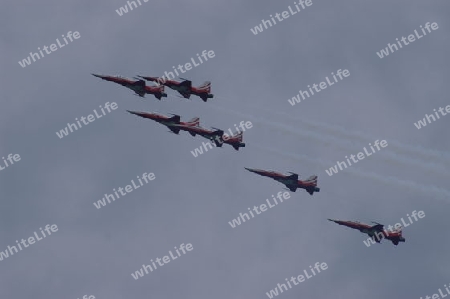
(175, 130)
(140, 93)
(293, 177)
(292, 188)
(175, 118)
(378, 227)
(185, 95)
(376, 239)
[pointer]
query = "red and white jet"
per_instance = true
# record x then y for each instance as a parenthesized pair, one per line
(138, 86)
(290, 181)
(185, 87)
(169, 122)
(376, 232)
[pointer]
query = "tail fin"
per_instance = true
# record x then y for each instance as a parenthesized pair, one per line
(240, 136)
(398, 231)
(312, 179)
(206, 87)
(194, 122)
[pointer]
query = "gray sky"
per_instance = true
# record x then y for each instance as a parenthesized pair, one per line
(192, 199)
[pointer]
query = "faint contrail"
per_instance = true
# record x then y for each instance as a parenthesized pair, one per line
(426, 189)
(405, 148)
(348, 145)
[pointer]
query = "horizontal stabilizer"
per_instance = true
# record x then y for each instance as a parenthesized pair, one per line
(174, 129)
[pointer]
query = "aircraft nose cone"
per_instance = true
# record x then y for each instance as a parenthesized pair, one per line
(134, 112)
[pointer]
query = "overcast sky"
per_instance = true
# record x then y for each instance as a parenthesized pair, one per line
(192, 199)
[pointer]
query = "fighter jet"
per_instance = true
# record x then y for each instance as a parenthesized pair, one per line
(138, 86)
(376, 232)
(184, 87)
(169, 122)
(290, 181)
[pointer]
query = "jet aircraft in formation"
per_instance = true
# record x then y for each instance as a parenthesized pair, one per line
(185, 87)
(170, 122)
(193, 127)
(376, 232)
(290, 181)
(138, 86)
(175, 125)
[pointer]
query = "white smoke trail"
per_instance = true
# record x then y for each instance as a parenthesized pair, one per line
(345, 144)
(424, 153)
(426, 189)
